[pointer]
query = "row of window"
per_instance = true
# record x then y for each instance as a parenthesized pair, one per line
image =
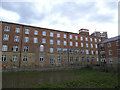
(111, 60)
(17, 30)
(51, 41)
(110, 52)
(59, 50)
(109, 44)
(52, 60)
(26, 39)
(117, 44)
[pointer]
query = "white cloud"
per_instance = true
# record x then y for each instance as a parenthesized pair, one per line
(8, 15)
(57, 18)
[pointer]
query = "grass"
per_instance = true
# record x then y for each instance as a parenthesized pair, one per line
(88, 79)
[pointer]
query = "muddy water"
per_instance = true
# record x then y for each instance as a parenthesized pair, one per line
(27, 80)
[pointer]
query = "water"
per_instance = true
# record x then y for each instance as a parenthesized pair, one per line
(27, 80)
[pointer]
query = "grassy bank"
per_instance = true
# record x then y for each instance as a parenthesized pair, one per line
(88, 79)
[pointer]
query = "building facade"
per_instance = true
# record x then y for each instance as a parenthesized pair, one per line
(100, 34)
(109, 51)
(29, 46)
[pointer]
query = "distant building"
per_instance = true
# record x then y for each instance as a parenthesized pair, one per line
(100, 34)
(109, 51)
(30, 46)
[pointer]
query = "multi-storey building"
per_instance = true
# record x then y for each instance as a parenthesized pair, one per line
(24, 45)
(109, 51)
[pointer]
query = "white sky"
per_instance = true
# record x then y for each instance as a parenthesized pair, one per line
(64, 15)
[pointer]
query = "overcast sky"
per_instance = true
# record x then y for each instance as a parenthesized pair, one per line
(64, 15)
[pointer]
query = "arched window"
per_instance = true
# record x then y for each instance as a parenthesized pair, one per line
(41, 48)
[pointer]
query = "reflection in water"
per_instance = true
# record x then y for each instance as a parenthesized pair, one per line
(28, 80)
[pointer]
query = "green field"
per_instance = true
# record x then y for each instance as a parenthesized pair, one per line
(88, 79)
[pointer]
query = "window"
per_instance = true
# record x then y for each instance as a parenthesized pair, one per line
(35, 32)
(97, 59)
(70, 43)
(86, 44)
(71, 51)
(7, 28)
(71, 59)
(58, 50)
(87, 51)
(51, 50)
(35, 40)
(25, 58)
(64, 35)
(26, 39)
(91, 45)
(52, 61)
(4, 47)
(6, 37)
(109, 44)
(96, 52)
(41, 48)
(95, 40)
(14, 58)
(83, 58)
(65, 59)
(96, 46)
(15, 48)
(65, 43)
(25, 48)
(91, 39)
(58, 42)
(16, 38)
(51, 41)
(27, 31)
(76, 37)
(92, 52)
(51, 34)
(17, 30)
(58, 35)
(82, 51)
(99, 40)
(81, 38)
(77, 51)
(58, 59)
(77, 59)
(76, 44)
(119, 60)
(70, 36)
(118, 51)
(86, 39)
(81, 44)
(117, 43)
(88, 59)
(43, 40)
(41, 58)
(110, 60)
(3, 58)
(64, 50)
(110, 52)
(92, 59)
(44, 33)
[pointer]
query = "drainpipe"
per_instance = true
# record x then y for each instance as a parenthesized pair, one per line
(21, 47)
(68, 47)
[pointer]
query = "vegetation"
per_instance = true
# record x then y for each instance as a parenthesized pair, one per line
(88, 79)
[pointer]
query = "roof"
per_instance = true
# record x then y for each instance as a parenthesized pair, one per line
(110, 39)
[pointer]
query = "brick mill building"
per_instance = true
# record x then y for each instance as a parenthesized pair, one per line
(24, 45)
(109, 51)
